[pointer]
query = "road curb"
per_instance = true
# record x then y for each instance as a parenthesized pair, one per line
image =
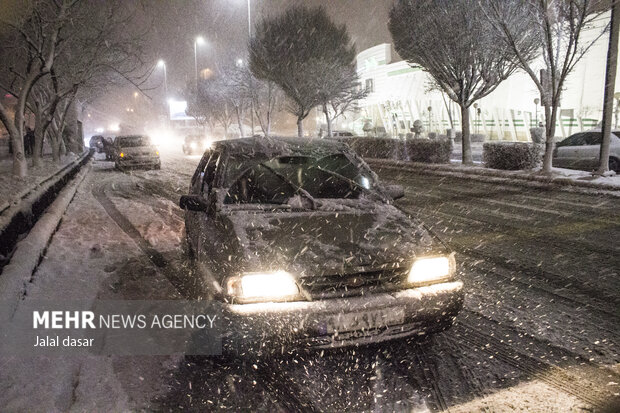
(22, 212)
(28, 253)
(495, 176)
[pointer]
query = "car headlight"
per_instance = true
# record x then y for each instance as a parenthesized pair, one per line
(270, 286)
(431, 269)
(192, 145)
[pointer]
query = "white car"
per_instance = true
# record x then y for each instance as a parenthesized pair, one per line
(582, 151)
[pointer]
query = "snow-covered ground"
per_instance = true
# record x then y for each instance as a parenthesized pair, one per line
(538, 332)
(12, 187)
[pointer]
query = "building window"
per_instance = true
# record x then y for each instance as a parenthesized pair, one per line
(370, 85)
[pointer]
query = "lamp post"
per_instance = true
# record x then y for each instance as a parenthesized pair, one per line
(162, 64)
(536, 102)
(197, 41)
(252, 99)
(477, 118)
(430, 119)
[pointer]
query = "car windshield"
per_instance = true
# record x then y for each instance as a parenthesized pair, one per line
(276, 180)
(134, 141)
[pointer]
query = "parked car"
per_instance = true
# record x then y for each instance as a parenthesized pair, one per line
(195, 144)
(108, 147)
(96, 143)
(342, 134)
(582, 151)
(300, 244)
(135, 150)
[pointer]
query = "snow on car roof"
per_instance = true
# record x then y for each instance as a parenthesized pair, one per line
(281, 146)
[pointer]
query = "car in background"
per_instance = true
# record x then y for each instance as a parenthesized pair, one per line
(195, 144)
(135, 151)
(300, 245)
(108, 147)
(342, 134)
(96, 143)
(582, 151)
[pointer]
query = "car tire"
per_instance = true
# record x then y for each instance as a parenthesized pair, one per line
(614, 164)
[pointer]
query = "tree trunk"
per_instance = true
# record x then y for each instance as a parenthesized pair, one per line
(466, 139)
(328, 121)
(300, 127)
(37, 151)
(239, 117)
(610, 84)
(20, 167)
(551, 114)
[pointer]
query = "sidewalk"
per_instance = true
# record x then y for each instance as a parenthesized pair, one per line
(566, 179)
(13, 188)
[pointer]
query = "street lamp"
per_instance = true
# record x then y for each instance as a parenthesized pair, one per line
(199, 40)
(478, 110)
(536, 102)
(162, 64)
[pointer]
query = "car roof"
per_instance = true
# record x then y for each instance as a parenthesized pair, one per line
(274, 146)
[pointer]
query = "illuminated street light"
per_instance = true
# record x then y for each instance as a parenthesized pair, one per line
(239, 62)
(162, 64)
(199, 40)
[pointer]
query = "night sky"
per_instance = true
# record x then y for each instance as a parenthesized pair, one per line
(224, 25)
(174, 24)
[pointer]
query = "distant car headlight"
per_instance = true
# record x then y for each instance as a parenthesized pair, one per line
(430, 269)
(269, 286)
(192, 145)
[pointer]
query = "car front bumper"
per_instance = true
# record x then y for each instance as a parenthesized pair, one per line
(138, 161)
(281, 326)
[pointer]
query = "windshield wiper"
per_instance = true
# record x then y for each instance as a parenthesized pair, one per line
(297, 189)
(352, 182)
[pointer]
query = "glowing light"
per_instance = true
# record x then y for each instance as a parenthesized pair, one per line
(200, 40)
(99, 130)
(263, 286)
(114, 127)
(161, 63)
(430, 269)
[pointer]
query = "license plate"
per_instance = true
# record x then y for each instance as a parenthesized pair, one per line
(366, 320)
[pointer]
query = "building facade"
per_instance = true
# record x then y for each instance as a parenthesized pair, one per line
(400, 94)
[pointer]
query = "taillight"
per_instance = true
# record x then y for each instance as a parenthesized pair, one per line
(122, 155)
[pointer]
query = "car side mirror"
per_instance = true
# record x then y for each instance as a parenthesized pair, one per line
(194, 203)
(395, 191)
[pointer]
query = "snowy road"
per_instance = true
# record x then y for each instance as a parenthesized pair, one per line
(539, 330)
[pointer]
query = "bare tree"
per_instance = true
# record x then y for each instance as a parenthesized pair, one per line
(297, 51)
(558, 27)
(610, 85)
(339, 92)
(455, 45)
(267, 98)
(33, 44)
(62, 49)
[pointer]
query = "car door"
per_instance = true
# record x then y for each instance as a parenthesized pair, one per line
(567, 151)
(590, 152)
(205, 221)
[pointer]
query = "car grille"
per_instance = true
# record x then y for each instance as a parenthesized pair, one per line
(359, 283)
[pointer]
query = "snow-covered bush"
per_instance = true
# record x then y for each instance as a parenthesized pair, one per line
(511, 155)
(429, 151)
(416, 150)
(381, 148)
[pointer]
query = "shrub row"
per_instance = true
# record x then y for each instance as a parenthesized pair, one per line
(416, 150)
(511, 155)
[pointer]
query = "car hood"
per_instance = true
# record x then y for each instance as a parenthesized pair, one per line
(337, 237)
